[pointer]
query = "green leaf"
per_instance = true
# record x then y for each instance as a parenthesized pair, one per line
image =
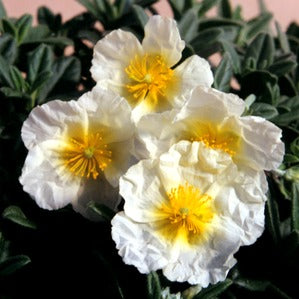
(272, 218)
(36, 33)
(2, 10)
(8, 48)
(286, 118)
(260, 286)
(16, 215)
(60, 41)
(282, 67)
(295, 147)
(262, 7)
(223, 74)
(3, 248)
(225, 9)
(23, 25)
(12, 264)
(188, 25)
(47, 17)
(12, 93)
(17, 79)
(206, 5)
(9, 27)
(262, 51)
(5, 73)
(40, 81)
(252, 285)
(264, 110)
(153, 286)
(283, 39)
(214, 290)
(91, 7)
(207, 41)
(295, 205)
(256, 25)
(140, 15)
(292, 173)
(102, 210)
(39, 60)
(288, 158)
(64, 69)
(232, 53)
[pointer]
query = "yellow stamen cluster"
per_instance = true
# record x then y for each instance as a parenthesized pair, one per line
(86, 157)
(149, 77)
(186, 214)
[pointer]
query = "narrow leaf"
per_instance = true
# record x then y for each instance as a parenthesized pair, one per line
(214, 290)
(256, 25)
(282, 38)
(13, 263)
(9, 27)
(188, 25)
(23, 26)
(2, 10)
(102, 210)
(206, 5)
(272, 218)
(140, 15)
(264, 110)
(223, 74)
(16, 215)
(153, 286)
(8, 48)
(17, 79)
(295, 206)
(225, 9)
(232, 53)
(39, 60)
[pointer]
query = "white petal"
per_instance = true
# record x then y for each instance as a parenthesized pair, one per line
(263, 148)
(136, 245)
(194, 71)
(50, 121)
(211, 105)
(112, 55)
(161, 36)
(156, 132)
(41, 180)
(142, 191)
(106, 108)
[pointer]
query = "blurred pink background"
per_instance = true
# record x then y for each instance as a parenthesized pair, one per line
(284, 11)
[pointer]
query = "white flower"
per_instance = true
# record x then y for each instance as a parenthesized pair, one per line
(75, 149)
(187, 213)
(144, 73)
(214, 118)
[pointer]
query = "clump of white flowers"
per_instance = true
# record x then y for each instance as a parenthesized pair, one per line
(198, 192)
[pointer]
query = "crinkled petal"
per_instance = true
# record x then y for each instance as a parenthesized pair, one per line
(50, 121)
(137, 246)
(161, 36)
(211, 105)
(262, 148)
(194, 71)
(47, 187)
(112, 55)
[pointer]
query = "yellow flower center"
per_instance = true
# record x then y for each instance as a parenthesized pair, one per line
(149, 78)
(186, 215)
(86, 156)
(215, 137)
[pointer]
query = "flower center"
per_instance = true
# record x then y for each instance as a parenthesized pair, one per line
(217, 138)
(86, 157)
(149, 77)
(186, 215)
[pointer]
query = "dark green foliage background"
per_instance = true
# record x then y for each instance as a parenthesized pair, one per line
(60, 254)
